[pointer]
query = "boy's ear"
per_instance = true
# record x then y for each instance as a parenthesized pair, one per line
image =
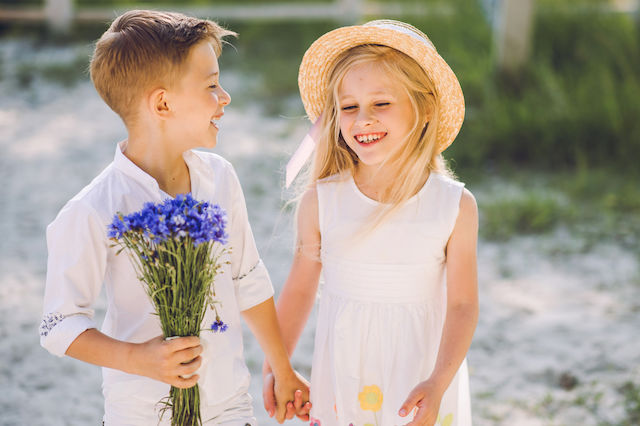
(158, 102)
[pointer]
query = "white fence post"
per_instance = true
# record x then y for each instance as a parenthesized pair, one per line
(512, 33)
(59, 14)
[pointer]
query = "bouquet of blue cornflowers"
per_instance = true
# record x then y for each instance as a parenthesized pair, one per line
(175, 247)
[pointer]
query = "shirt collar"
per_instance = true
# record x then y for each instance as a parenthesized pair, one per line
(196, 164)
(128, 167)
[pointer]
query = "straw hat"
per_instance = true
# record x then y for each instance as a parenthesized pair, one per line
(319, 60)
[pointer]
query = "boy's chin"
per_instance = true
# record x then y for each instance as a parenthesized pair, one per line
(208, 143)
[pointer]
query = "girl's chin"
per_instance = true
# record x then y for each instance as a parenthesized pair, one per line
(369, 162)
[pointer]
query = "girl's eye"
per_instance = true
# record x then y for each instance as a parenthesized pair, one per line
(349, 108)
(381, 104)
(213, 86)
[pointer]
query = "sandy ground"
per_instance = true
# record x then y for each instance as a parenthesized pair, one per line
(556, 340)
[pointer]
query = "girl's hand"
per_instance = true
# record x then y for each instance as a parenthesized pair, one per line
(293, 408)
(426, 397)
(168, 361)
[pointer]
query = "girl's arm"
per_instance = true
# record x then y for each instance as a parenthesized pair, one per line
(298, 295)
(461, 318)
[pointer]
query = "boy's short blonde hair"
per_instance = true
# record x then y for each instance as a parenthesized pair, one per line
(143, 48)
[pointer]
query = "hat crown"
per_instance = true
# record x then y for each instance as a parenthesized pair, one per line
(403, 28)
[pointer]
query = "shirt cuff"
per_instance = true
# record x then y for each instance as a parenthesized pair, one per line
(57, 331)
(253, 287)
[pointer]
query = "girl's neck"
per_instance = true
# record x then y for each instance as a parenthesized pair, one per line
(372, 181)
(375, 182)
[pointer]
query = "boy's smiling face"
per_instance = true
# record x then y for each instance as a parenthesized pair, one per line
(196, 102)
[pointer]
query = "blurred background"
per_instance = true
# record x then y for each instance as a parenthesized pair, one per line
(550, 147)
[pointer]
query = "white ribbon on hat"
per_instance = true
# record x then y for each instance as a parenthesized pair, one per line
(303, 152)
(406, 31)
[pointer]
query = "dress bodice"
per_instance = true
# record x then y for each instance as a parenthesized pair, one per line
(401, 260)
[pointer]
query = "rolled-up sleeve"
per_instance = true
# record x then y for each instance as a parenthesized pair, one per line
(77, 246)
(250, 276)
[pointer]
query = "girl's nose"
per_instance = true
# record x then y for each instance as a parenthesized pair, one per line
(365, 116)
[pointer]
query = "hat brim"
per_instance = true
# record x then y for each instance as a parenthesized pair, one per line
(319, 60)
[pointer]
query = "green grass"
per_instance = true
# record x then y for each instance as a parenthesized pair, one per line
(606, 189)
(631, 394)
(270, 53)
(527, 212)
(600, 205)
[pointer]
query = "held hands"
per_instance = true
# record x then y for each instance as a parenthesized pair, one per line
(426, 397)
(275, 404)
(168, 361)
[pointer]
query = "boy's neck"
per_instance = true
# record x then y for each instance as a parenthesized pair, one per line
(159, 161)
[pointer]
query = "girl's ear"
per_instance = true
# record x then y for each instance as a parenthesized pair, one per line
(430, 112)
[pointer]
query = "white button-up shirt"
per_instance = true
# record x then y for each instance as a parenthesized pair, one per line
(82, 260)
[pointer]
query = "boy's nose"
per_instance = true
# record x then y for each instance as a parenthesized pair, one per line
(225, 99)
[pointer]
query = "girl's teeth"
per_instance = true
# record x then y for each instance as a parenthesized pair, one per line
(368, 138)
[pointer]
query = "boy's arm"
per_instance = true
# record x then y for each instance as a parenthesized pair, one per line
(76, 267)
(77, 257)
(299, 292)
(254, 294)
(251, 280)
(159, 359)
(263, 323)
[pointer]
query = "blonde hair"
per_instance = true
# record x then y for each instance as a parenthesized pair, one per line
(417, 157)
(142, 48)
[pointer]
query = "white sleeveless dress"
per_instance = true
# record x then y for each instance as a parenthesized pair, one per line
(382, 306)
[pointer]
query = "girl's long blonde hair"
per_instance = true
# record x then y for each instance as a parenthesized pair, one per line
(415, 159)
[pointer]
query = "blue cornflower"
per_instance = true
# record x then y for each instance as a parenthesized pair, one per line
(118, 227)
(178, 218)
(218, 325)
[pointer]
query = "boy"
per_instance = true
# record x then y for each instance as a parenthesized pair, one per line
(159, 72)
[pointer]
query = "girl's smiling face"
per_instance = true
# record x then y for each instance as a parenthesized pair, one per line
(376, 114)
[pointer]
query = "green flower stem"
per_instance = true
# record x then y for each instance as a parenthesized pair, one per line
(178, 278)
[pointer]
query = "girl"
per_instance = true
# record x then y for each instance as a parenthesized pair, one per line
(393, 233)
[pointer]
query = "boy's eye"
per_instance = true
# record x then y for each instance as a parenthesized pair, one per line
(213, 86)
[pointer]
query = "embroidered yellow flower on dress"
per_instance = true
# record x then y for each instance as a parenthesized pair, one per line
(370, 398)
(448, 419)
